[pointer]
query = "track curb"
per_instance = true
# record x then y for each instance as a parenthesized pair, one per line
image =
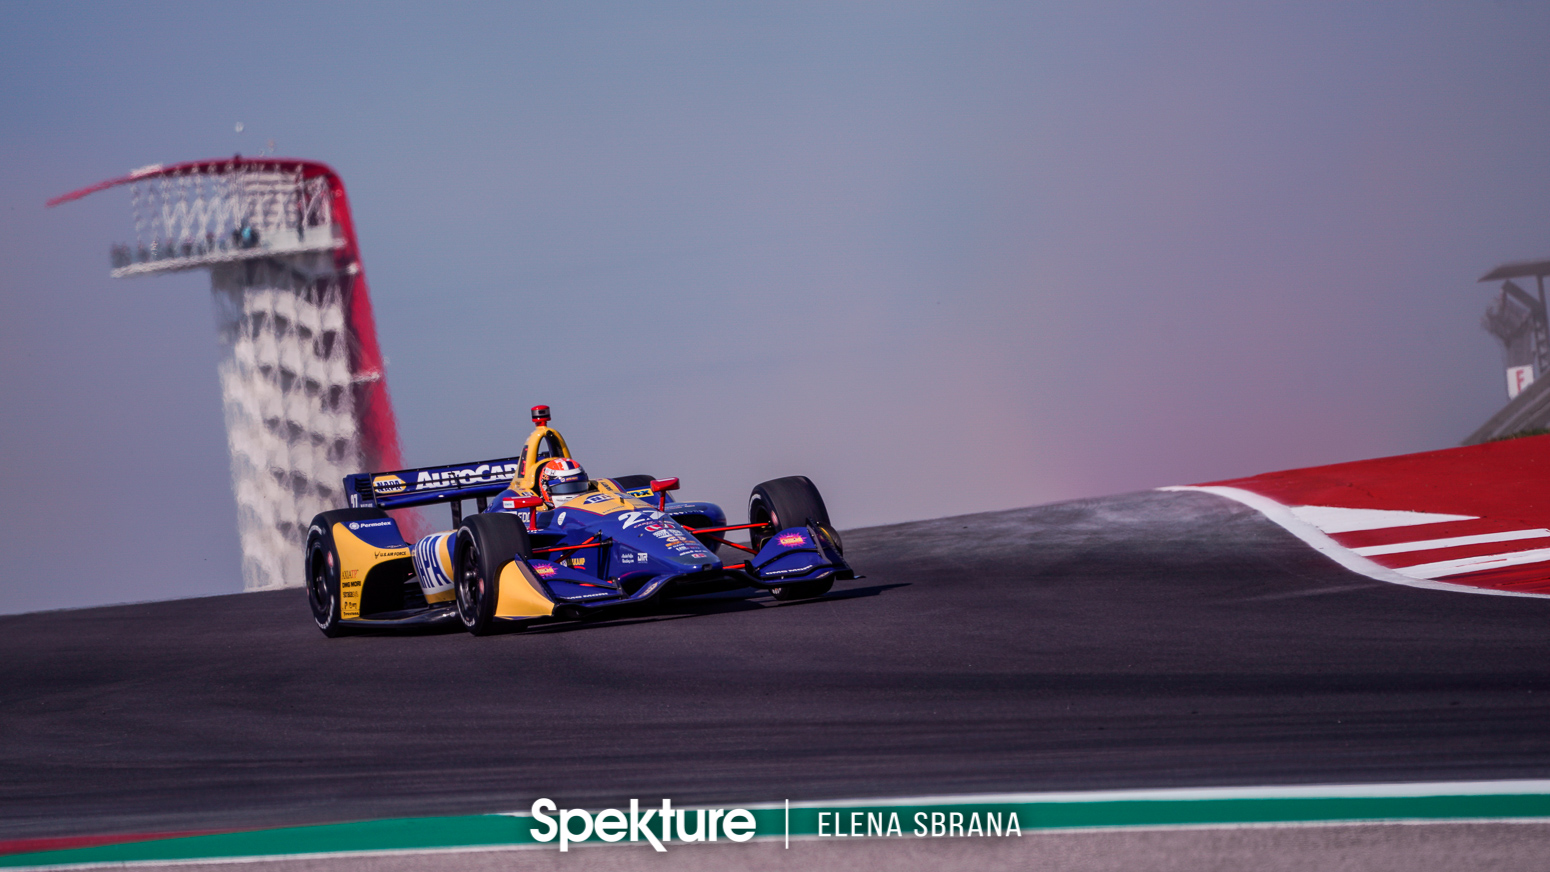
(1496, 801)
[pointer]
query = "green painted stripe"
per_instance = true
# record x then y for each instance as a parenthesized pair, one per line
(1161, 809)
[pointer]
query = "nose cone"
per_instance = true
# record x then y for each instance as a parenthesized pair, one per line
(658, 535)
(683, 550)
(701, 558)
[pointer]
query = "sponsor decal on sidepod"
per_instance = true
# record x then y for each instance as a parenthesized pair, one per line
(427, 562)
(358, 525)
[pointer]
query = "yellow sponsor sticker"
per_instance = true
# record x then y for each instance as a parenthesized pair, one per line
(388, 484)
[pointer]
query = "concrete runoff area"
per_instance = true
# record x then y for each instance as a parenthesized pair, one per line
(1145, 640)
(1367, 847)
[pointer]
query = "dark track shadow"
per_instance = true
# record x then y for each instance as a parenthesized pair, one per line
(705, 605)
(400, 632)
(851, 593)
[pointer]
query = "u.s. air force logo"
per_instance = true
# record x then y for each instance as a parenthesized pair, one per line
(388, 484)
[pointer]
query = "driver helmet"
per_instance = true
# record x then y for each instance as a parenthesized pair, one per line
(561, 479)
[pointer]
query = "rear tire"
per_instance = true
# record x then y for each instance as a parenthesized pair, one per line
(792, 501)
(323, 567)
(485, 544)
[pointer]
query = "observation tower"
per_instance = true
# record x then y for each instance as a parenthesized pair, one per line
(305, 398)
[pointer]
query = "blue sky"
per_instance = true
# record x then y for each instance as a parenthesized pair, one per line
(938, 257)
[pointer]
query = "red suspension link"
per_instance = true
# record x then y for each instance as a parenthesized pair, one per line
(725, 529)
(587, 544)
(735, 545)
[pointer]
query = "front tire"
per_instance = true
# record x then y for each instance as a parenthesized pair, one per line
(485, 544)
(323, 567)
(792, 501)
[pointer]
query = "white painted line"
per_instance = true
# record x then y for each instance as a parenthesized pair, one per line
(1451, 542)
(1338, 519)
(1321, 542)
(1476, 564)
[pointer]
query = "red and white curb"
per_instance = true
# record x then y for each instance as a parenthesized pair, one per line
(1318, 526)
(1473, 519)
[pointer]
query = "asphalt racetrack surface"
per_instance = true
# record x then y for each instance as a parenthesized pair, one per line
(1145, 640)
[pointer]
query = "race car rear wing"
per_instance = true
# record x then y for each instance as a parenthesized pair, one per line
(404, 488)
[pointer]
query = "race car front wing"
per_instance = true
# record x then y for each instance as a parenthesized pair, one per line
(793, 556)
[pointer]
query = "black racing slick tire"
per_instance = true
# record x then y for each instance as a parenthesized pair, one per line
(323, 568)
(792, 501)
(485, 544)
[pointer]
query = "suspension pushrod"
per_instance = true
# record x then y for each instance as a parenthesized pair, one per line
(568, 547)
(735, 545)
(725, 529)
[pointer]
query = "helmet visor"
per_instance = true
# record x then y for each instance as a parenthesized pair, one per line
(566, 488)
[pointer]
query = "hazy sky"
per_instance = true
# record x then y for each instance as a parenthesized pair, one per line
(939, 257)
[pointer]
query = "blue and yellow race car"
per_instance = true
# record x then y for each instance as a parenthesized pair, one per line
(547, 542)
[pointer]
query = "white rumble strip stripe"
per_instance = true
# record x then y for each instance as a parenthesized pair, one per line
(1475, 564)
(1339, 519)
(1453, 542)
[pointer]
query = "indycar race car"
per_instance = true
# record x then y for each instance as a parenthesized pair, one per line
(548, 542)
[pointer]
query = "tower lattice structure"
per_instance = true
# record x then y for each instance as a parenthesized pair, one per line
(301, 374)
